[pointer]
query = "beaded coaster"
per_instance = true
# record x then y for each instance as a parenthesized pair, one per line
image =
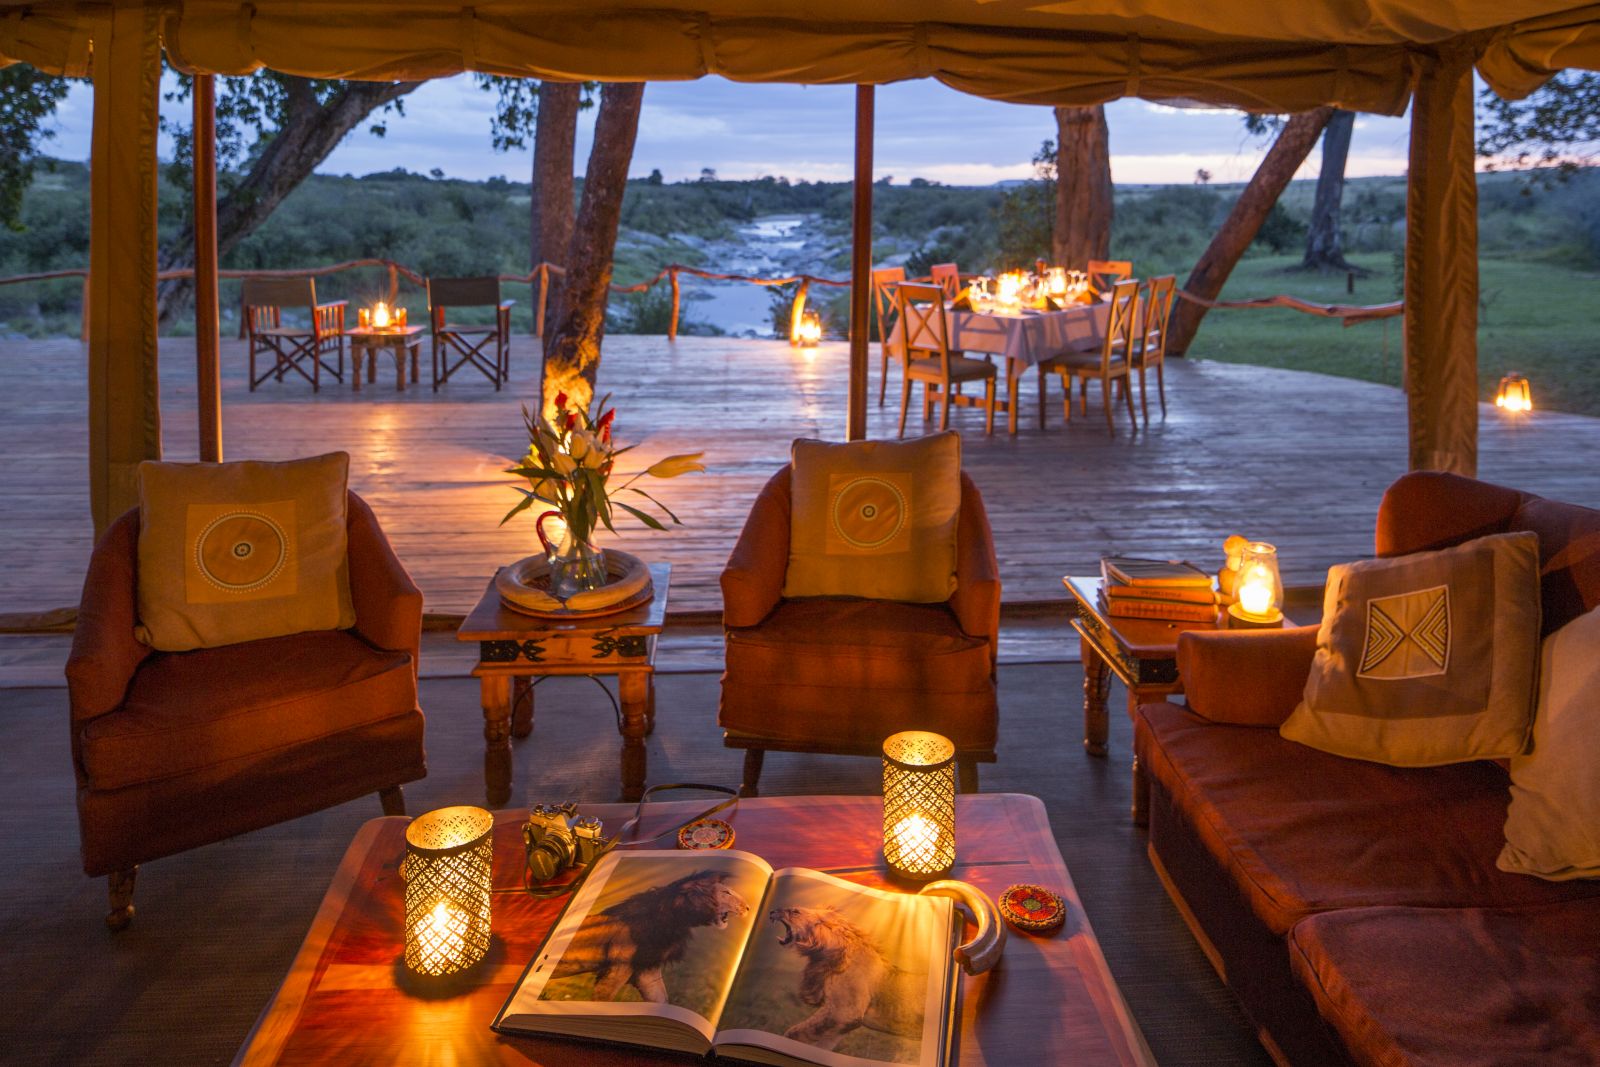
(706, 833)
(1032, 908)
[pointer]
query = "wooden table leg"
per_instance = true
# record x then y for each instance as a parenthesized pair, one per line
(521, 707)
(355, 359)
(400, 367)
(496, 697)
(372, 365)
(416, 349)
(635, 689)
(1015, 368)
(650, 709)
(1096, 688)
(1141, 795)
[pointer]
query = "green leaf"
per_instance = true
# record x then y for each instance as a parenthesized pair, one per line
(644, 517)
(675, 520)
(524, 504)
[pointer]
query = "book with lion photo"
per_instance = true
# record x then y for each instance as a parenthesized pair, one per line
(715, 952)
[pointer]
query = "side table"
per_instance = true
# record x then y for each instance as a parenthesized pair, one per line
(514, 650)
(398, 341)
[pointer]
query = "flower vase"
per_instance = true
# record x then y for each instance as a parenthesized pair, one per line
(576, 567)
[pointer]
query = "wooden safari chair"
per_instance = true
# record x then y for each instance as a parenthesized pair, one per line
(883, 283)
(1104, 273)
(293, 348)
(1150, 337)
(947, 276)
(467, 344)
(927, 358)
(1112, 364)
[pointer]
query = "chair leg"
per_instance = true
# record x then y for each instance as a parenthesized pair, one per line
(988, 407)
(1144, 401)
(1105, 398)
(946, 395)
(966, 774)
(1042, 380)
(1066, 398)
(1127, 396)
(393, 800)
(1083, 396)
(883, 374)
(753, 758)
(905, 403)
(1161, 384)
(120, 885)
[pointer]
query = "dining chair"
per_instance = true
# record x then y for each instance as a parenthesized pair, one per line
(1111, 364)
(292, 347)
(1103, 273)
(469, 344)
(1150, 344)
(927, 358)
(883, 282)
(947, 276)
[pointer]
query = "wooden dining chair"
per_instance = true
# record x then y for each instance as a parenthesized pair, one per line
(1111, 364)
(883, 282)
(927, 358)
(1150, 337)
(1104, 273)
(292, 348)
(469, 345)
(947, 276)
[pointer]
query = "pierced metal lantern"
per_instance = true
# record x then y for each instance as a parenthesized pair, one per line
(447, 870)
(919, 804)
(1514, 395)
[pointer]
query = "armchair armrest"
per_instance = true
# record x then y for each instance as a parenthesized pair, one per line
(1245, 677)
(105, 654)
(388, 604)
(752, 582)
(976, 602)
(327, 322)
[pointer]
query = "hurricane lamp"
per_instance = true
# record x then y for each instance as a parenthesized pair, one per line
(1258, 589)
(810, 332)
(1514, 395)
(447, 869)
(919, 804)
(380, 317)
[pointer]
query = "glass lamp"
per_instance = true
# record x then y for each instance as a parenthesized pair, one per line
(810, 332)
(447, 869)
(919, 804)
(1258, 589)
(1514, 395)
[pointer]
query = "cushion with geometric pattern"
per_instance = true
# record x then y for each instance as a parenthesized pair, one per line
(1428, 658)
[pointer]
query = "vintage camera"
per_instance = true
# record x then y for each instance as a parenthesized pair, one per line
(557, 837)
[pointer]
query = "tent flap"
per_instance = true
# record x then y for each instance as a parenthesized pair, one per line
(55, 40)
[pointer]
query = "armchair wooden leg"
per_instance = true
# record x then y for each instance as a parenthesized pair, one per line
(393, 800)
(966, 774)
(753, 759)
(120, 885)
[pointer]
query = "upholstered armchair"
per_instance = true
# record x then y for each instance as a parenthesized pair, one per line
(173, 750)
(839, 674)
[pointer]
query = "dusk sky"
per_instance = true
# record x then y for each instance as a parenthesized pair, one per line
(744, 131)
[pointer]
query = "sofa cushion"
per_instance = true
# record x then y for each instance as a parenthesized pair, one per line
(1463, 987)
(191, 710)
(1302, 831)
(854, 671)
(1569, 552)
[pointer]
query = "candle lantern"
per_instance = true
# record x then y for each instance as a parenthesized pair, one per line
(919, 804)
(447, 869)
(1258, 588)
(1008, 290)
(810, 332)
(364, 318)
(380, 316)
(1514, 395)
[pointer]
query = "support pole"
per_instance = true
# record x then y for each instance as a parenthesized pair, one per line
(860, 266)
(672, 327)
(207, 335)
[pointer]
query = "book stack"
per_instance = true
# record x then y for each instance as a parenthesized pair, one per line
(1156, 589)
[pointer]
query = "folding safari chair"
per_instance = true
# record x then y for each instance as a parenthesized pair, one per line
(469, 344)
(292, 347)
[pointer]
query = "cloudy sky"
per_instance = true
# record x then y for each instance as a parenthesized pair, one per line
(744, 131)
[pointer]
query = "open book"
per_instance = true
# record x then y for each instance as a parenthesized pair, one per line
(717, 952)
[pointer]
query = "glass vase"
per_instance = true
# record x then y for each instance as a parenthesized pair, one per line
(576, 566)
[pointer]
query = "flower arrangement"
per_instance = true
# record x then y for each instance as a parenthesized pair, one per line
(569, 465)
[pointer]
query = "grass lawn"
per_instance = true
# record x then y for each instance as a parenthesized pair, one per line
(1534, 318)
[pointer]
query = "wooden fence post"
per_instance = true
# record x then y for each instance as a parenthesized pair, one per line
(672, 327)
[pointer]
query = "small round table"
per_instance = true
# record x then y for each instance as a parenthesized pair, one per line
(398, 340)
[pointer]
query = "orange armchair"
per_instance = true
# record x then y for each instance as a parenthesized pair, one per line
(839, 674)
(173, 750)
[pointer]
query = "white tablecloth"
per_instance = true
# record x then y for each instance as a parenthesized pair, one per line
(1027, 337)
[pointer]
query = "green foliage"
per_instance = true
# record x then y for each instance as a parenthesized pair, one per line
(1026, 216)
(650, 312)
(1280, 231)
(27, 99)
(1557, 126)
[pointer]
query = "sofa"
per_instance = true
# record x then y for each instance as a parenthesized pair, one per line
(1355, 908)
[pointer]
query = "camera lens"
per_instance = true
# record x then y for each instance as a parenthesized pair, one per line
(549, 859)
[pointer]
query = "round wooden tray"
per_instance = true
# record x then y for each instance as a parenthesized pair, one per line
(524, 586)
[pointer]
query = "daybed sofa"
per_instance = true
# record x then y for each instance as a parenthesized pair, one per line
(1355, 908)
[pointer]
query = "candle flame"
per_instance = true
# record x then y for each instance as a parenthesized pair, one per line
(380, 316)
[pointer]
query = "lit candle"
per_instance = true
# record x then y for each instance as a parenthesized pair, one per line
(1255, 592)
(380, 316)
(917, 835)
(439, 936)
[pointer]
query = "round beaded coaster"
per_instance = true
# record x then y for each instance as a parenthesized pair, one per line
(706, 833)
(1032, 908)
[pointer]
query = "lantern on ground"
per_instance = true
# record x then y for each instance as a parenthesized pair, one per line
(919, 806)
(1258, 588)
(447, 869)
(1514, 395)
(809, 335)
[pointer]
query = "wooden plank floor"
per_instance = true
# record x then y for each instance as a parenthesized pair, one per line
(1298, 459)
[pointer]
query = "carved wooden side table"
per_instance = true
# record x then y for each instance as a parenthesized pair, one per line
(397, 341)
(515, 651)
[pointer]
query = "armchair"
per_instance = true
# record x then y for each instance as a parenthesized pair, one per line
(173, 750)
(839, 674)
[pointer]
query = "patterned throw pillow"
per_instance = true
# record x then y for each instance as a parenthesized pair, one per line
(1427, 659)
(233, 552)
(875, 519)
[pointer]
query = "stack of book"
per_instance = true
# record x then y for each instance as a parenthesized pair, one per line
(1156, 589)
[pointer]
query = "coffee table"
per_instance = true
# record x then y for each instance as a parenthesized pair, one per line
(516, 650)
(398, 340)
(348, 998)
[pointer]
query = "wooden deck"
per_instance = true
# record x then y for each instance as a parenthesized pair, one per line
(1298, 459)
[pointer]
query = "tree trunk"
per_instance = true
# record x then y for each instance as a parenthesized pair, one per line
(554, 133)
(572, 352)
(1324, 241)
(1083, 186)
(312, 130)
(1288, 151)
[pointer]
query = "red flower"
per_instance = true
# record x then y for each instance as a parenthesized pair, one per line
(561, 400)
(605, 420)
(572, 417)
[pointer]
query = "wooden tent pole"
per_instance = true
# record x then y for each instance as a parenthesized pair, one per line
(207, 335)
(860, 265)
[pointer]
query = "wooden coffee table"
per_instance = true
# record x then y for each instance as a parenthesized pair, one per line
(349, 1000)
(515, 650)
(398, 340)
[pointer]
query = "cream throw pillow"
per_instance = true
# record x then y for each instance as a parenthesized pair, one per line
(233, 552)
(875, 519)
(1553, 825)
(1427, 659)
